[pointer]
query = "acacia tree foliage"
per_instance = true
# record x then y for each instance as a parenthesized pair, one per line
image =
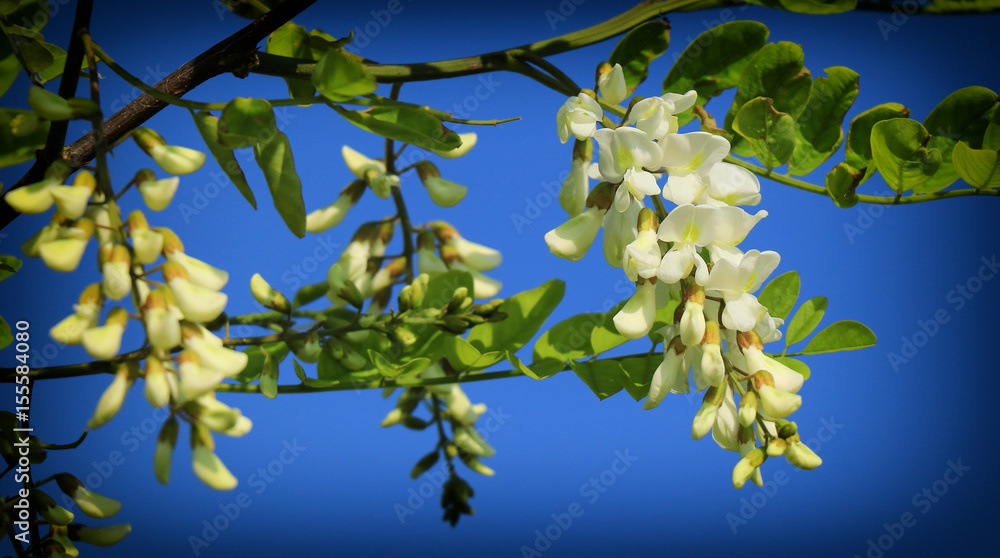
(425, 321)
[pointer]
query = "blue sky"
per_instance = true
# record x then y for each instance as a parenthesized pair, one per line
(317, 470)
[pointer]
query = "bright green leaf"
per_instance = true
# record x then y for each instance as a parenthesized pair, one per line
(961, 116)
(899, 152)
(14, 150)
(275, 159)
(771, 134)
(640, 46)
(442, 286)
(526, 311)
(980, 168)
(569, 339)
(805, 320)
(405, 124)
(459, 352)
(844, 335)
(340, 76)
(257, 354)
(208, 127)
(539, 370)
(269, 378)
(796, 365)
(858, 147)
(603, 377)
(605, 336)
(637, 373)
(246, 122)
(714, 61)
(777, 73)
(780, 294)
(818, 131)
(991, 138)
(841, 183)
(290, 40)
(8, 266)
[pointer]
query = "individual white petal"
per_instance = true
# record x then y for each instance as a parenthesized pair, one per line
(196, 302)
(802, 456)
(33, 198)
(678, 225)
(693, 152)
(116, 283)
(572, 239)
(162, 328)
(158, 193)
(733, 185)
(651, 115)
(216, 357)
(611, 85)
(444, 193)
(677, 263)
(635, 319)
(610, 167)
(760, 266)
(175, 159)
(476, 256)
(157, 389)
(636, 149)
(63, 254)
(778, 403)
(784, 377)
(664, 378)
(329, 216)
(196, 380)
(103, 342)
(640, 184)
(359, 164)
(199, 272)
(147, 244)
(681, 102)
(742, 311)
(71, 200)
(731, 225)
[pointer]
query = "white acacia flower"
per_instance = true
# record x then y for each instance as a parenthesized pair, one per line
(147, 244)
(572, 239)
(85, 315)
(777, 403)
(162, 327)
(578, 117)
(196, 302)
(691, 227)
(198, 272)
(730, 184)
(620, 229)
(210, 469)
(104, 342)
(736, 281)
(158, 193)
(656, 116)
(474, 255)
(65, 251)
(642, 256)
(214, 356)
(623, 154)
(784, 378)
(635, 319)
(116, 281)
(175, 159)
(71, 201)
(688, 159)
(158, 383)
(195, 379)
(33, 198)
(611, 85)
(667, 375)
(359, 164)
(112, 398)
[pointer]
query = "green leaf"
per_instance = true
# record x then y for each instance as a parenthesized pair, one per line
(390, 370)
(841, 183)
(714, 61)
(845, 335)
(637, 373)
(569, 339)
(526, 311)
(34, 14)
(775, 72)
(328, 368)
(8, 266)
(991, 138)
(780, 294)
(770, 133)
(858, 148)
(640, 46)
(58, 63)
(818, 131)
(290, 40)
(10, 67)
(37, 57)
(269, 378)
(442, 286)
(899, 152)
(961, 116)
(339, 76)
(246, 122)
(275, 159)
(795, 364)
(603, 377)
(805, 320)
(5, 336)
(309, 293)
(299, 372)
(980, 168)
(257, 355)
(14, 150)
(539, 370)
(414, 126)
(208, 127)
(459, 352)
(819, 7)
(605, 336)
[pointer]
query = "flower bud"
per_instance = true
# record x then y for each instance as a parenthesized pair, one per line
(572, 239)
(747, 465)
(473, 462)
(157, 193)
(32, 198)
(207, 466)
(360, 165)
(469, 440)
(802, 456)
(331, 215)
(71, 201)
(666, 375)
(776, 447)
(748, 409)
(48, 105)
(199, 272)
(775, 403)
(91, 504)
(635, 319)
(267, 296)
(65, 252)
(196, 302)
(104, 342)
(117, 282)
(49, 509)
(171, 158)
(708, 413)
(576, 187)
(106, 535)
(611, 83)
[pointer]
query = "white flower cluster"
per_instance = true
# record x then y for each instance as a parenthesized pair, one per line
(691, 255)
(172, 313)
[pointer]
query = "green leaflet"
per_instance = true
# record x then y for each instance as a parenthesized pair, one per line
(818, 131)
(858, 147)
(208, 127)
(805, 320)
(257, 356)
(339, 76)
(269, 378)
(405, 124)
(780, 294)
(526, 311)
(603, 377)
(845, 335)
(14, 150)
(770, 133)
(275, 160)
(714, 61)
(605, 336)
(841, 183)
(638, 48)
(961, 116)
(246, 122)
(538, 370)
(290, 40)
(569, 339)
(637, 373)
(777, 73)
(900, 153)
(980, 168)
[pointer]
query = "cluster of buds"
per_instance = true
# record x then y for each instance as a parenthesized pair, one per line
(689, 254)
(63, 532)
(459, 254)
